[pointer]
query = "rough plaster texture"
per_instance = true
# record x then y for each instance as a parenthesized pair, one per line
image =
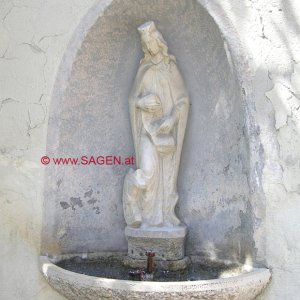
(263, 39)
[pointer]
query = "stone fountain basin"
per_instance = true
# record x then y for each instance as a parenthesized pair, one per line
(72, 285)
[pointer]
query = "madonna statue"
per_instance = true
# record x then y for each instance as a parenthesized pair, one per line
(159, 106)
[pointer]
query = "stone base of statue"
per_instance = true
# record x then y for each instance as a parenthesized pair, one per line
(166, 242)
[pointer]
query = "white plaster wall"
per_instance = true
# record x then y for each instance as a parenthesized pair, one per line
(34, 35)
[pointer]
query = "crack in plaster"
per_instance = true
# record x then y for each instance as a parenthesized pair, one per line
(51, 36)
(35, 48)
(3, 56)
(286, 107)
(7, 100)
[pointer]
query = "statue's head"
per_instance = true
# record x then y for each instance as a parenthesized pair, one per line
(153, 42)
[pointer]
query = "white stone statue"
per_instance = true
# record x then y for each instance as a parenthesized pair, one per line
(159, 106)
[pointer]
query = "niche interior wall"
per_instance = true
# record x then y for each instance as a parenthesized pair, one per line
(89, 116)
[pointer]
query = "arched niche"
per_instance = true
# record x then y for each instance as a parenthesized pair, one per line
(89, 116)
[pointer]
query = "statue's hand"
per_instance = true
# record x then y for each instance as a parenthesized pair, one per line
(167, 126)
(150, 103)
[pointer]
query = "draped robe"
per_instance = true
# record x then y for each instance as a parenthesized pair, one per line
(150, 193)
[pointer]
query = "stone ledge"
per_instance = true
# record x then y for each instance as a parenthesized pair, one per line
(172, 265)
(167, 243)
(157, 232)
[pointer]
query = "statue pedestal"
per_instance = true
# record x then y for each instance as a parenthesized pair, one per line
(166, 242)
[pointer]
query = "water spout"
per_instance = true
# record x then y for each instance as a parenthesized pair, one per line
(150, 255)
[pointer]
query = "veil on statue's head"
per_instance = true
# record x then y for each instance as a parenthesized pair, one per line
(149, 31)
